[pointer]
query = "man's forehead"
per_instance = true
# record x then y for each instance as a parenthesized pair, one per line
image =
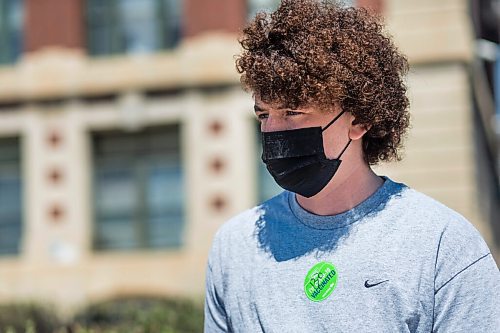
(260, 104)
(263, 106)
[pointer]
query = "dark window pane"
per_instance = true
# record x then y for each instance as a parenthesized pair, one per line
(171, 11)
(11, 30)
(347, 3)
(116, 234)
(139, 191)
(139, 27)
(102, 25)
(132, 26)
(115, 189)
(165, 202)
(10, 197)
(9, 239)
(102, 40)
(255, 6)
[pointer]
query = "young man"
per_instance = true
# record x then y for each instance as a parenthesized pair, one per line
(341, 249)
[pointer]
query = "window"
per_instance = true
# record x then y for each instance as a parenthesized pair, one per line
(255, 6)
(11, 30)
(266, 186)
(348, 3)
(10, 196)
(138, 189)
(132, 26)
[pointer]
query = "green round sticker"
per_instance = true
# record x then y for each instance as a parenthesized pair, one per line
(320, 281)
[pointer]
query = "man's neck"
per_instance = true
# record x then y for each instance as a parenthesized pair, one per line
(338, 198)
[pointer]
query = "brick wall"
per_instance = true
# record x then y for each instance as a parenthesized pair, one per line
(54, 22)
(62, 22)
(375, 5)
(223, 15)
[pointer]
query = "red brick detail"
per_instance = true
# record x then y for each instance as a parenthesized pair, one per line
(55, 176)
(217, 165)
(218, 203)
(216, 128)
(201, 16)
(54, 139)
(56, 213)
(54, 23)
(375, 5)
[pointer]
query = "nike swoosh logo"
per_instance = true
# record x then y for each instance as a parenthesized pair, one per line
(369, 285)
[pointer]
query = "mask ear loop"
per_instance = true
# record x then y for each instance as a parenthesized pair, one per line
(343, 150)
(331, 122)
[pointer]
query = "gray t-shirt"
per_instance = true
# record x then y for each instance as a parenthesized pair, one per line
(398, 262)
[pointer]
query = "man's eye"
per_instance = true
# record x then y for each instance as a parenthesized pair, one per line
(293, 113)
(262, 116)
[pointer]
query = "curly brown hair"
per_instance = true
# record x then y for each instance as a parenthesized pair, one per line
(316, 52)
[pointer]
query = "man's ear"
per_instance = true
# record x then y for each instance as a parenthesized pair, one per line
(356, 130)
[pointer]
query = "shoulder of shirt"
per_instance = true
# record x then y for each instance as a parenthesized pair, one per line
(455, 241)
(430, 214)
(426, 205)
(243, 224)
(421, 205)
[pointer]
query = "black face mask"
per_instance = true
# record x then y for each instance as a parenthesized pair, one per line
(296, 159)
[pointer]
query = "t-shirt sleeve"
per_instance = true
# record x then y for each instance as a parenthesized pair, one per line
(215, 314)
(467, 283)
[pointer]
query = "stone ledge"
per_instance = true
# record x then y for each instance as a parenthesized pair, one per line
(55, 73)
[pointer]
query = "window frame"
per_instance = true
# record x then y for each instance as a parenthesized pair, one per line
(13, 163)
(141, 212)
(8, 54)
(117, 46)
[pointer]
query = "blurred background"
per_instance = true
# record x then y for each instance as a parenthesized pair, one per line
(126, 140)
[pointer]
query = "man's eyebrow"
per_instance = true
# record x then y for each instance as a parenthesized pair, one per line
(258, 108)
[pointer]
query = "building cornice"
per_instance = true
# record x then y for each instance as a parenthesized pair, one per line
(58, 73)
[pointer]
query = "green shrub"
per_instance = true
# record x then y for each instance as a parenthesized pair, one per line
(27, 318)
(121, 315)
(141, 315)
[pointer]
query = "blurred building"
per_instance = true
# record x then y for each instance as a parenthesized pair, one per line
(452, 151)
(126, 140)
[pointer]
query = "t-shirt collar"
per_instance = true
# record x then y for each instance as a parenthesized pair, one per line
(370, 205)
